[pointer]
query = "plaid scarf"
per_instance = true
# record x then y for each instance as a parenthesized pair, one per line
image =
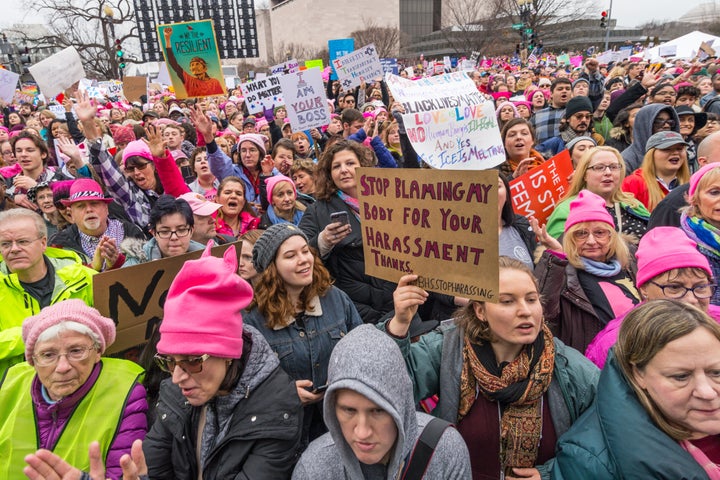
(518, 386)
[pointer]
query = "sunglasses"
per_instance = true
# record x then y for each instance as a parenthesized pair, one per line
(188, 365)
(138, 166)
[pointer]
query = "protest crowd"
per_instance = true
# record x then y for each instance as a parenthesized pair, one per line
(597, 357)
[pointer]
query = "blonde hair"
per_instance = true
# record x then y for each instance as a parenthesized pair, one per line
(649, 175)
(693, 210)
(579, 183)
(618, 247)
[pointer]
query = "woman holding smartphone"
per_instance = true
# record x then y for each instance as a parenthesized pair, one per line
(300, 314)
(340, 244)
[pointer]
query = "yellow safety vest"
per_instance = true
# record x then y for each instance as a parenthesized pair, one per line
(96, 417)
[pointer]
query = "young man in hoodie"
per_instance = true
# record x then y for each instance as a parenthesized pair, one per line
(371, 417)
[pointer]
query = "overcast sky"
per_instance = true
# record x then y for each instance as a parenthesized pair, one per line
(629, 13)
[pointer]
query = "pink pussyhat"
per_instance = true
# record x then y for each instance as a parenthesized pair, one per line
(588, 207)
(273, 181)
(202, 312)
(663, 249)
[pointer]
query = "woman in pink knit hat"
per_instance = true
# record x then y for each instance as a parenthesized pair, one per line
(66, 396)
(668, 266)
(701, 220)
(589, 279)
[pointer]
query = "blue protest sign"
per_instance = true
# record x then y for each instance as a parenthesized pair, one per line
(339, 48)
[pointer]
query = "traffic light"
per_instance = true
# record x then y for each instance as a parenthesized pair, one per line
(533, 39)
(120, 54)
(603, 19)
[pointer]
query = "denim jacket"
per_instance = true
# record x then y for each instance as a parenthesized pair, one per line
(303, 347)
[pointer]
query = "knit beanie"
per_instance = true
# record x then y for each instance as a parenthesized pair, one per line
(269, 242)
(137, 148)
(202, 312)
(71, 310)
(697, 176)
(256, 138)
(663, 249)
(122, 134)
(578, 104)
(273, 181)
(588, 207)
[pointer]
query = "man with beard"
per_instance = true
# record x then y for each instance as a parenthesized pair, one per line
(578, 118)
(546, 122)
(93, 235)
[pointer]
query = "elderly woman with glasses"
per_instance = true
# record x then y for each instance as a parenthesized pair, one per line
(671, 267)
(587, 280)
(66, 396)
(171, 225)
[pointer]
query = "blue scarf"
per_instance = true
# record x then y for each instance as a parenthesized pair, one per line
(274, 219)
(601, 269)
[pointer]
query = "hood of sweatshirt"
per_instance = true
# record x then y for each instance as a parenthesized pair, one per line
(642, 131)
(370, 363)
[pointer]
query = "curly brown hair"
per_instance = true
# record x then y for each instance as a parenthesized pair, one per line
(325, 188)
(271, 296)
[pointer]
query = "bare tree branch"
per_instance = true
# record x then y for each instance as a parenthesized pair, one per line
(386, 39)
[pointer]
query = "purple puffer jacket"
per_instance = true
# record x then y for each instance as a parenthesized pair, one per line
(598, 349)
(132, 426)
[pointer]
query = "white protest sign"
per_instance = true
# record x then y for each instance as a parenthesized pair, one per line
(163, 77)
(8, 82)
(305, 99)
(291, 66)
(363, 62)
(113, 89)
(605, 57)
(448, 122)
(262, 93)
(58, 110)
(667, 50)
(58, 72)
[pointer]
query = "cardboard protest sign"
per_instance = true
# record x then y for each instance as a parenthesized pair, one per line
(448, 122)
(291, 66)
(8, 82)
(305, 99)
(362, 63)
(337, 48)
(58, 72)
(263, 93)
(192, 58)
(134, 87)
(538, 191)
(134, 296)
(441, 226)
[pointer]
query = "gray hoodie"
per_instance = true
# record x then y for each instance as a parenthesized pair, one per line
(642, 131)
(368, 362)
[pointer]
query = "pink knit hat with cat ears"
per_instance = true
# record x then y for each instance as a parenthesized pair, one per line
(202, 312)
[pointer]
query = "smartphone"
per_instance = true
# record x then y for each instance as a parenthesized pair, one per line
(319, 389)
(341, 217)
(187, 174)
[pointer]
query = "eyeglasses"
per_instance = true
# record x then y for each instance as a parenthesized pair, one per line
(22, 244)
(131, 169)
(75, 354)
(583, 116)
(614, 167)
(659, 122)
(599, 234)
(179, 233)
(188, 365)
(678, 291)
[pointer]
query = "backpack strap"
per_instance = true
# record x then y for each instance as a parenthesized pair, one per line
(422, 452)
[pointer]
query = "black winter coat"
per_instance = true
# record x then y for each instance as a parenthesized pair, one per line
(372, 296)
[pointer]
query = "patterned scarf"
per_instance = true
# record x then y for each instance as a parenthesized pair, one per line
(351, 202)
(518, 386)
(702, 232)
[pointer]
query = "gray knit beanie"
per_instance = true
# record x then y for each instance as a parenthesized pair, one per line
(267, 245)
